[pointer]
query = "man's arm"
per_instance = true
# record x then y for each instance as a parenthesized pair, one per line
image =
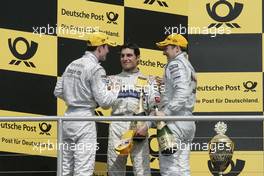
(58, 91)
(153, 99)
(179, 76)
(102, 95)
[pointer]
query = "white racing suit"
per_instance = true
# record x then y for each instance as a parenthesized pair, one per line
(82, 86)
(126, 105)
(178, 100)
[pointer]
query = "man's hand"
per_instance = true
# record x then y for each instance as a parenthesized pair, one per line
(152, 113)
(113, 84)
(142, 131)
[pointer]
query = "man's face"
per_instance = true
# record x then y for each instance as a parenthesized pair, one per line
(103, 51)
(129, 60)
(170, 51)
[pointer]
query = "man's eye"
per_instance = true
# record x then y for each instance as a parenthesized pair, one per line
(127, 55)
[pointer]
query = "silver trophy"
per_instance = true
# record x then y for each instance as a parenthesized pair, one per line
(221, 149)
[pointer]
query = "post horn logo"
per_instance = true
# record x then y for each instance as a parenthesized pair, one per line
(234, 12)
(112, 17)
(250, 86)
(154, 154)
(45, 128)
(236, 169)
(30, 52)
(161, 3)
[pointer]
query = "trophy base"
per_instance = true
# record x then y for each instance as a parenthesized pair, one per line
(124, 149)
(124, 146)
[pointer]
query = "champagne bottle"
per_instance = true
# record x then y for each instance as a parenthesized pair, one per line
(166, 140)
(141, 112)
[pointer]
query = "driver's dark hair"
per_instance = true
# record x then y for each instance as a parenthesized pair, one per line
(132, 46)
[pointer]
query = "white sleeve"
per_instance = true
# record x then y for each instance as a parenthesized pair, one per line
(58, 91)
(101, 94)
(153, 99)
(179, 79)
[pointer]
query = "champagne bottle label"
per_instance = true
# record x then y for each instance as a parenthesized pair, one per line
(166, 140)
(160, 125)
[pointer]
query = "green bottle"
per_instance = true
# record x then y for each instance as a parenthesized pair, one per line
(166, 139)
(140, 112)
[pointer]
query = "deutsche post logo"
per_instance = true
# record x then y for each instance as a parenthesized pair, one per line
(44, 128)
(112, 17)
(30, 51)
(250, 86)
(161, 3)
(234, 12)
(236, 168)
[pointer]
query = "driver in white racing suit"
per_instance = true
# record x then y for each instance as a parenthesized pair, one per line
(126, 105)
(178, 100)
(82, 87)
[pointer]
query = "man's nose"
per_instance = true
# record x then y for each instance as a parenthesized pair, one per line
(125, 58)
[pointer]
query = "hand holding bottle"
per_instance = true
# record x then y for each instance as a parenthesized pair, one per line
(142, 131)
(159, 113)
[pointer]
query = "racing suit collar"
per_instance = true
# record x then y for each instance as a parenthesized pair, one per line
(91, 56)
(177, 56)
(130, 73)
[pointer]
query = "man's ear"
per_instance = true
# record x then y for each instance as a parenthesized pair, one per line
(98, 49)
(178, 48)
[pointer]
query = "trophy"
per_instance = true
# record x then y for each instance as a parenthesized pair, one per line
(141, 83)
(125, 145)
(221, 149)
